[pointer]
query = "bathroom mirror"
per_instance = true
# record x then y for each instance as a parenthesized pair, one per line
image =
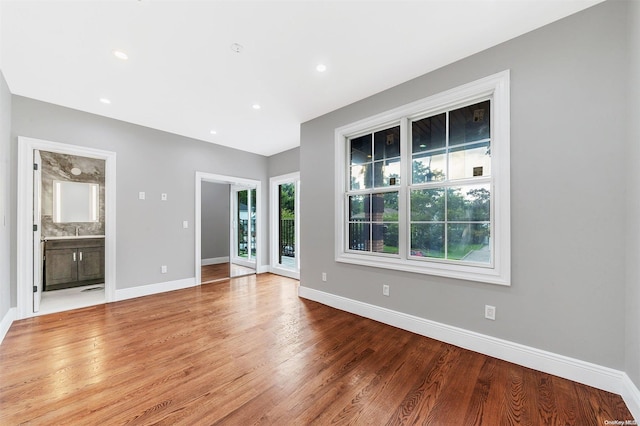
(75, 201)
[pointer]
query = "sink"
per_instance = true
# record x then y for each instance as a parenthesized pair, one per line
(72, 237)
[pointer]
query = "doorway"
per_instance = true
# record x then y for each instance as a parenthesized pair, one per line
(285, 225)
(29, 237)
(241, 221)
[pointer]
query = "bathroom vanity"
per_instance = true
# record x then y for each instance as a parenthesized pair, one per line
(73, 261)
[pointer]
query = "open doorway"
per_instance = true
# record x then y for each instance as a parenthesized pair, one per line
(214, 231)
(243, 227)
(81, 262)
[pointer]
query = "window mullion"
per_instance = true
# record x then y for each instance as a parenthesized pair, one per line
(403, 198)
(446, 188)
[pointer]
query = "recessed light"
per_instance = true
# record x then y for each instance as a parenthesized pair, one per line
(105, 101)
(321, 68)
(213, 132)
(256, 106)
(120, 55)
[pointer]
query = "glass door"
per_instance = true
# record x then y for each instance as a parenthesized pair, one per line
(244, 227)
(285, 241)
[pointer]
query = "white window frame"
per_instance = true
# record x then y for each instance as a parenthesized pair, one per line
(495, 87)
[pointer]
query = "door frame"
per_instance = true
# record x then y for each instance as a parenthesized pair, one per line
(26, 147)
(230, 180)
(274, 206)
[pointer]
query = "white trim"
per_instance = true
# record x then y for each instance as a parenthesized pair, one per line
(214, 260)
(285, 272)
(569, 368)
(149, 289)
(631, 396)
(497, 87)
(230, 180)
(26, 146)
(6, 322)
(262, 269)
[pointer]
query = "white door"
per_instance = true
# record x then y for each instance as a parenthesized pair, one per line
(37, 232)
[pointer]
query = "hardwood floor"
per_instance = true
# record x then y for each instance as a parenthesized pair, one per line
(216, 272)
(221, 271)
(248, 351)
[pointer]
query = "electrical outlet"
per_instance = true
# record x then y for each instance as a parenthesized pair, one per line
(324, 276)
(490, 312)
(163, 197)
(385, 289)
(163, 269)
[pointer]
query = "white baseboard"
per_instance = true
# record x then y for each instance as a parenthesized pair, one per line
(284, 272)
(214, 261)
(631, 395)
(7, 320)
(587, 373)
(146, 290)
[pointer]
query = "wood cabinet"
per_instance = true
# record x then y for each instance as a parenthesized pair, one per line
(73, 262)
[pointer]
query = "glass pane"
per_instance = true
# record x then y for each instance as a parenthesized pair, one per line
(427, 205)
(359, 207)
(470, 123)
(361, 149)
(253, 216)
(386, 173)
(429, 167)
(387, 143)
(243, 224)
(429, 133)
(385, 207)
(359, 236)
(427, 240)
(469, 242)
(287, 227)
(388, 232)
(470, 160)
(469, 203)
(361, 176)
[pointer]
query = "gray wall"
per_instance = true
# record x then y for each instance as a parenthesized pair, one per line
(215, 220)
(568, 148)
(149, 232)
(284, 163)
(7, 296)
(632, 308)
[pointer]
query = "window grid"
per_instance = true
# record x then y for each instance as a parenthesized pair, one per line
(372, 233)
(446, 185)
(480, 200)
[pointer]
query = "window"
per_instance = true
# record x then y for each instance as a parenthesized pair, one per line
(425, 188)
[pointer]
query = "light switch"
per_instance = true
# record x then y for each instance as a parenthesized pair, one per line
(185, 224)
(141, 195)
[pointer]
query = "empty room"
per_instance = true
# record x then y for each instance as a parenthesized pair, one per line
(320, 212)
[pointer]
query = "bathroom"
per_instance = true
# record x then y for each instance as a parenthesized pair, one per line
(72, 231)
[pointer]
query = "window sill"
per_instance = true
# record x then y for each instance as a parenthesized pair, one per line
(462, 272)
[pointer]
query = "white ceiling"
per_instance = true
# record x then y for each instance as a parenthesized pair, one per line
(183, 77)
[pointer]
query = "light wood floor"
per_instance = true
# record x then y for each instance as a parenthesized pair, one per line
(247, 351)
